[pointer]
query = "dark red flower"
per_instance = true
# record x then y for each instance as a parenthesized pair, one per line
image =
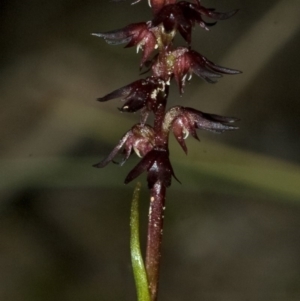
(156, 5)
(139, 94)
(190, 61)
(183, 16)
(182, 62)
(139, 139)
(158, 166)
(137, 34)
(184, 121)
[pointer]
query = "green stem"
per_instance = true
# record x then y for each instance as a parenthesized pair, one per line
(139, 272)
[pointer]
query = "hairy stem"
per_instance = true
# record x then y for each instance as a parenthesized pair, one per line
(154, 238)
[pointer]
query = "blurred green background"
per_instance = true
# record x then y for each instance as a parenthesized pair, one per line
(232, 229)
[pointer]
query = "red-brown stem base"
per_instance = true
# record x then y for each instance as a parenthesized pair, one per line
(154, 238)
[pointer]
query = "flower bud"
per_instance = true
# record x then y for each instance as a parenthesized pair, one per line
(158, 166)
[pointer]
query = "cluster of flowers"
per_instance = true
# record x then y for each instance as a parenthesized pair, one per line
(155, 39)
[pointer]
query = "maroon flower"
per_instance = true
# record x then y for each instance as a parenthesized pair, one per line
(182, 62)
(156, 5)
(137, 34)
(139, 94)
(190, 61)
(184, 121)
(183, 16)
(140, 139)
(158, 166)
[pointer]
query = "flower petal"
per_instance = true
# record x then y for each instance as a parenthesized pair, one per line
(216, 15)
(142, 166)
(114, 152)
(206, 69)
(161, 169)
(121, 92)
(114, 37)
(211, 122)
(158, 166)
(220, 69)
(180, 132)
(129, 34)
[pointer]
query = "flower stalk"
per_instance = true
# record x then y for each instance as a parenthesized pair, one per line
(154, 238)
(149, 95)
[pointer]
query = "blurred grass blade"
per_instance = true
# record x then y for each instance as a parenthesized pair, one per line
(139, 271)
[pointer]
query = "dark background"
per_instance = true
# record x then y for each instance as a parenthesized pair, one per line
(232, 229)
